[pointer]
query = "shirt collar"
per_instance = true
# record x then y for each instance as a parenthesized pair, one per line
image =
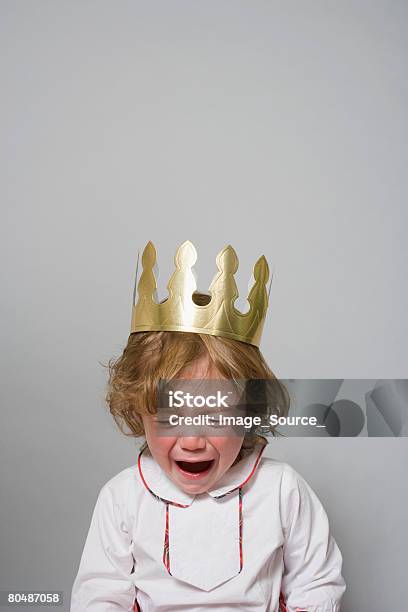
(162, 487)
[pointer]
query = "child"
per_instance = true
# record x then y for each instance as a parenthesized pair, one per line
(202, 522)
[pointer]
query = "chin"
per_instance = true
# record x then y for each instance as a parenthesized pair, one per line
(194, 489)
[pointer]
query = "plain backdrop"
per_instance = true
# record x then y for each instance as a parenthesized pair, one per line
(278, 127)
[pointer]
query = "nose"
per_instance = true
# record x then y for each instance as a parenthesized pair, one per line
(192, 443)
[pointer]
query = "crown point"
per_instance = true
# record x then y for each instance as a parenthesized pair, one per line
(190, 244)
(149, 255)
(261, 270)
(227, 260)
(186, 253)
(149, 246)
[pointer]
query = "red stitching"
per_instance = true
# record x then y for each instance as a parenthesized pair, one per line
(240, 521)
(166, 501)
(166, 545)
(166, 548)
(282, 606)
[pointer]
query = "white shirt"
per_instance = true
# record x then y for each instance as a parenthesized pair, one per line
(261, 531)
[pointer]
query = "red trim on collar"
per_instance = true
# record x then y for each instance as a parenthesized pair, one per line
(247, 478)
(166, 546)
(254, 468)
(166, 501)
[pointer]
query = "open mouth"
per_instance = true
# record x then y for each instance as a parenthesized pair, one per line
(195, 468)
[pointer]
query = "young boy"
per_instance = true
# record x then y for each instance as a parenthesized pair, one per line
(203, 521)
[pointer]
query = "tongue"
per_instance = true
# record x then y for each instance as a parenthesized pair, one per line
(194, 466)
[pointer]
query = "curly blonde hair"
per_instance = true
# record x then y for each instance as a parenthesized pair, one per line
(153, 356)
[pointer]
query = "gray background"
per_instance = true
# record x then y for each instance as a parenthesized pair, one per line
(279, 127)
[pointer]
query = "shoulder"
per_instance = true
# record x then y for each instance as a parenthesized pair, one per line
(117, 500)
(280, 471)
(297, 499)
(119, 487)
(284, 482)
(123, 478)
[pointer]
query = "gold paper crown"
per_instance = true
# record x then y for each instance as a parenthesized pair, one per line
(180, 310)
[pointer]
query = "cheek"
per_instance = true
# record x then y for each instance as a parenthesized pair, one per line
(158, 445)
(227, 448)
